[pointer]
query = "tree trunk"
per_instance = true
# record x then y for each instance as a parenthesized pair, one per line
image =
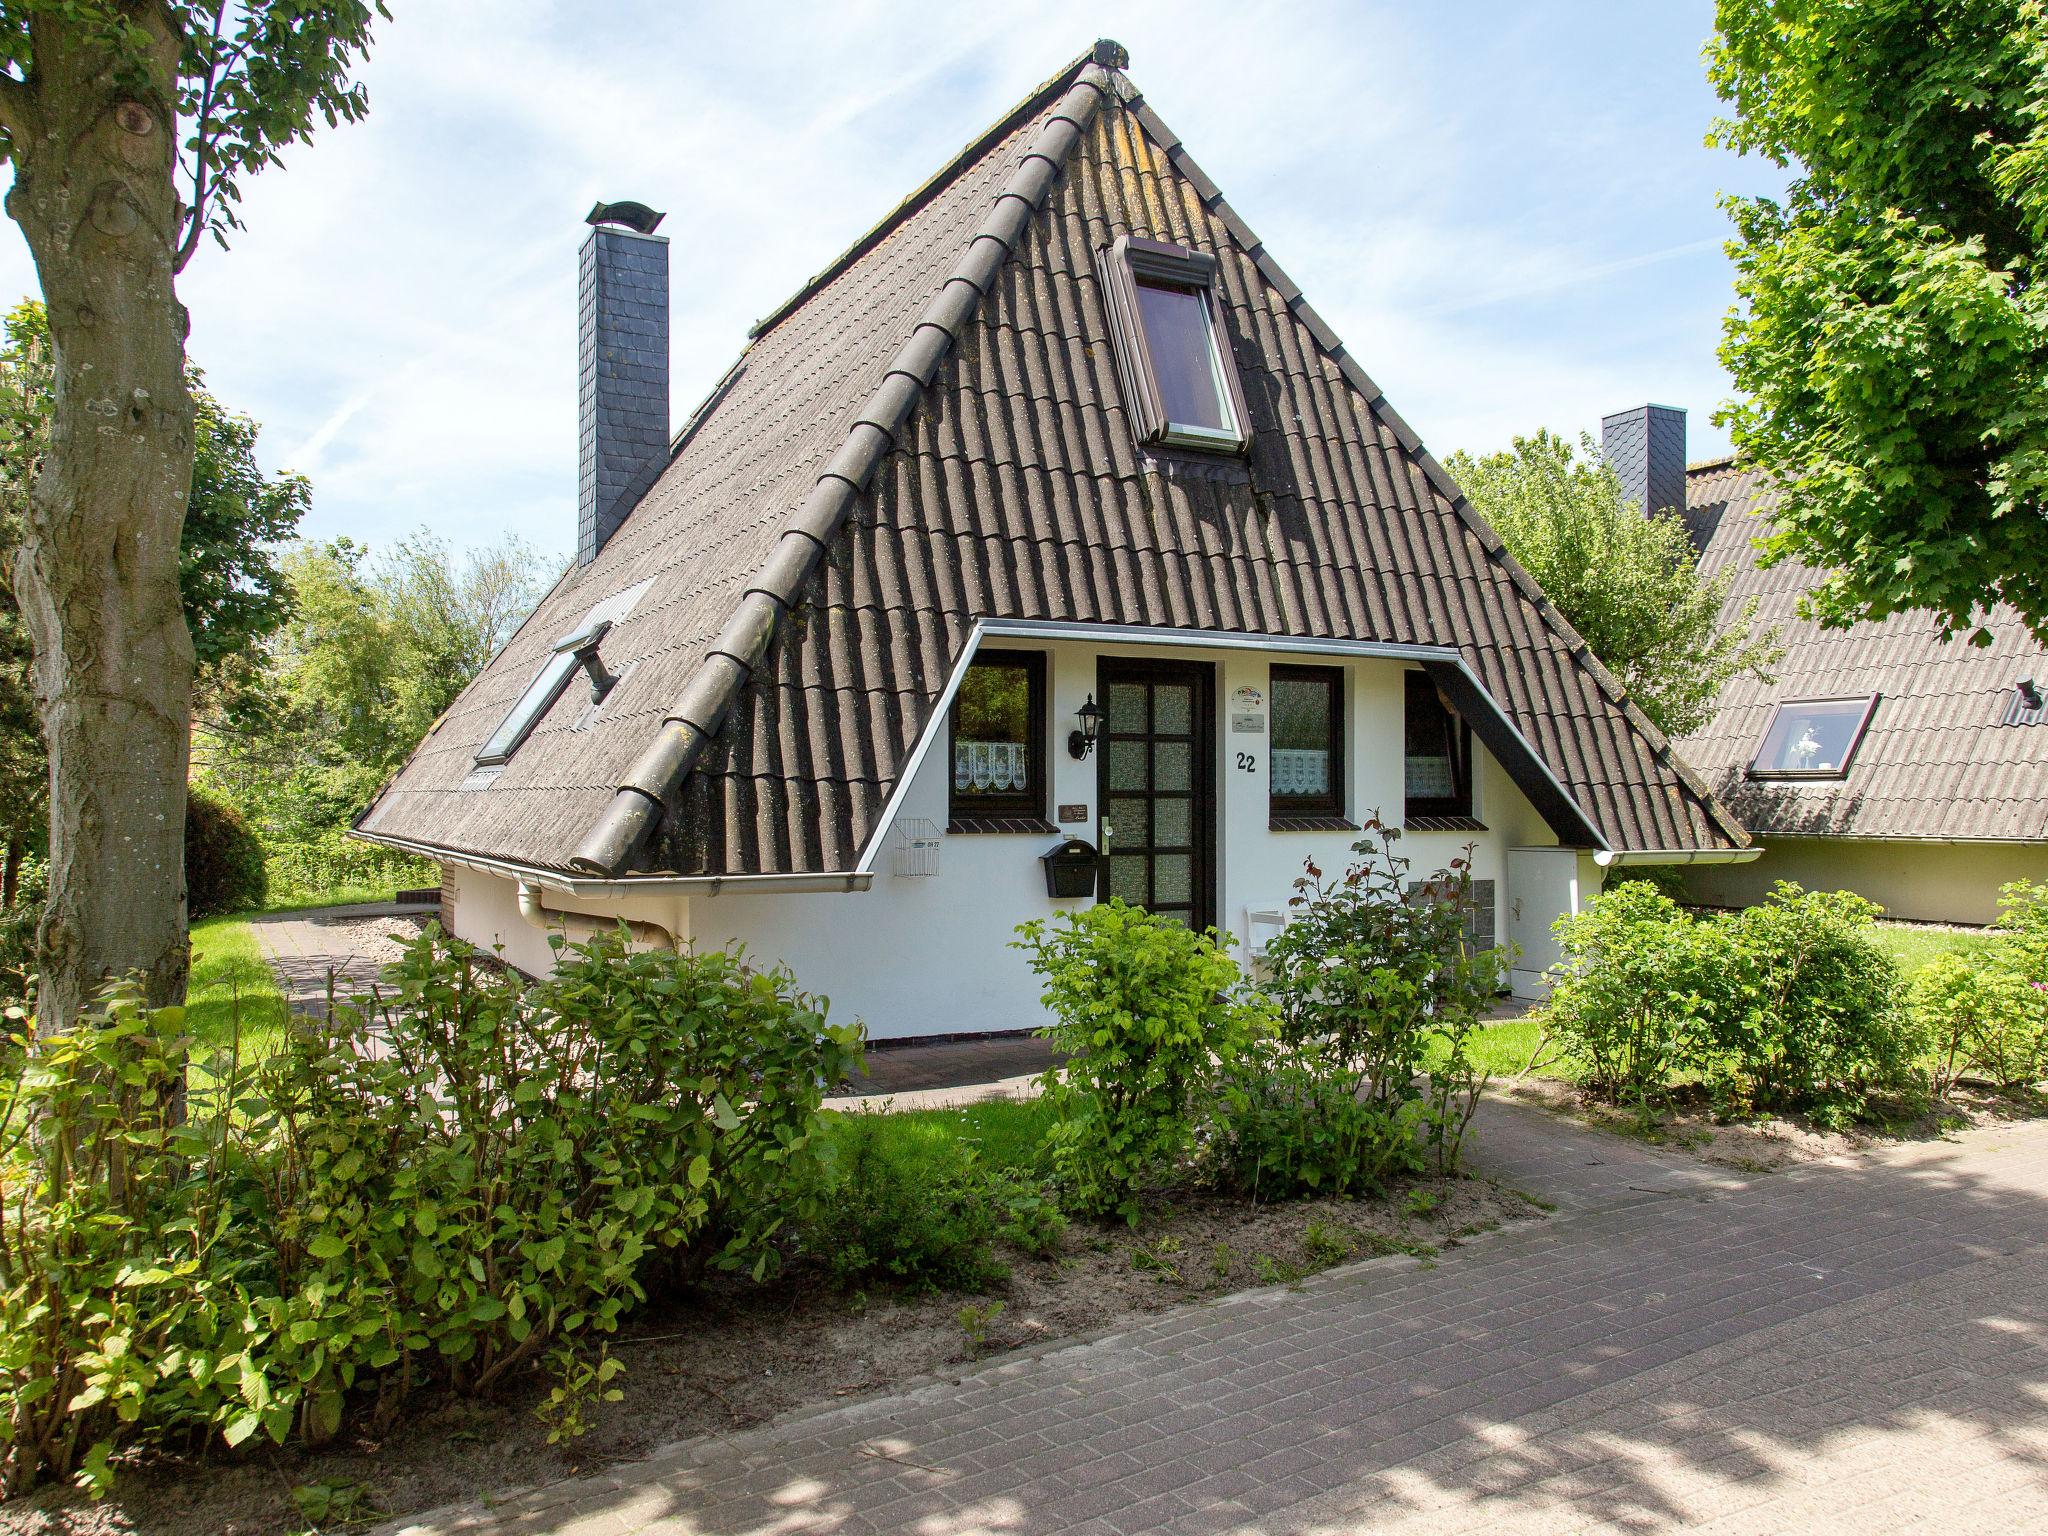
(97, 574)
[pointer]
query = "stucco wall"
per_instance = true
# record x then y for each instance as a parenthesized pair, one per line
(925, 955)
(1920, 882)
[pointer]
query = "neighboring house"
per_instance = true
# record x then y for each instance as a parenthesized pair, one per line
(1048, 511)
(1883, 759)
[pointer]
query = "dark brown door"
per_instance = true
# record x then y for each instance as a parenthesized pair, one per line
(1155, 783)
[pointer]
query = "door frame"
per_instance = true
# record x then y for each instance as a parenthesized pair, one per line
(1202, 778)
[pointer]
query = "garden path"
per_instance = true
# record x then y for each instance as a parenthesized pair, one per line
(1860, 1346)
(350, 943)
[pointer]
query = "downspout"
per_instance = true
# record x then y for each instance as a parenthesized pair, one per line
(537, 912)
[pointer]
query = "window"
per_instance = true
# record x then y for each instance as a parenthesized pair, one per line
(1308, 741)
(1438, 752)
(1812, 738)
(575, 651)
(999, 739)
(1173, 353)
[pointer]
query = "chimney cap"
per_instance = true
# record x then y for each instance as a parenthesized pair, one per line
(1110, 54)
(637, 217)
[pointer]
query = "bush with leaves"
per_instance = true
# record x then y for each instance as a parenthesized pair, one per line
(1149, 1016)
(1812, 1018)
(1635, 993)
(435, 1187)
(1987, 1015)
(18, 925)
(1372, 977)
(223, 859)
(904, 1206)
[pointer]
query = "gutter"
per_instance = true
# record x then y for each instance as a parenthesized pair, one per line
(612, 887)
(1629, 857)
(539, 914)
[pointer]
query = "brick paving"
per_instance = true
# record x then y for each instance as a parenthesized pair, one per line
(1855, 1348)
(305, 948)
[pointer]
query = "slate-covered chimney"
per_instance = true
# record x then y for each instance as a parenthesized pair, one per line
(1646, 446)
(622, 384)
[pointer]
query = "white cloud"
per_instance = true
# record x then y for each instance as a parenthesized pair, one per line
(1508, 216)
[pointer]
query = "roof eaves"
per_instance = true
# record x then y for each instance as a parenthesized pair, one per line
(1439, 478)
(695, 717)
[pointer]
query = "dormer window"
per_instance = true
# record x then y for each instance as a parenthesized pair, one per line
(1813, 738)
(1173, 354)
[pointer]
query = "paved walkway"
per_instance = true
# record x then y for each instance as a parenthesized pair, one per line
(1856, 1348)
(307, 947)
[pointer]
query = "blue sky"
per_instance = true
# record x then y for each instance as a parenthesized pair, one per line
(1505, 210)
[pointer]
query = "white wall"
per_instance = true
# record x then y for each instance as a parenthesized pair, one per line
(928, 955)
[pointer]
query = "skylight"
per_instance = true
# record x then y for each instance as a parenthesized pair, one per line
(1180, 382)
(1813, 738)
(577, 650)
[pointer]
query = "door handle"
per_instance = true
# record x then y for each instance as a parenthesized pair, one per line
(1104, 833)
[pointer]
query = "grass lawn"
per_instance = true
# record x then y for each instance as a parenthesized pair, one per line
(229, 974)
(1006, 1132)
(1914, 944)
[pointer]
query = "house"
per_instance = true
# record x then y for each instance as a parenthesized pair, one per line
(1882, 759)
(1048, 516)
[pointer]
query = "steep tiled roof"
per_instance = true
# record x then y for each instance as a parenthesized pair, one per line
(1937, 760)
(863, 489)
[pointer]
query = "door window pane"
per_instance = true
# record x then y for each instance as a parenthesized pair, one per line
(1170, 765)
(1173, 877)
(1127, 765)
(1126, 709)
(1173, 709)
(1127, 823)
(1172, 823)
(1127, 878)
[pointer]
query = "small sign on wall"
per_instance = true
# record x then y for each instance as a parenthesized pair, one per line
(1073, 815)
(1248, 712)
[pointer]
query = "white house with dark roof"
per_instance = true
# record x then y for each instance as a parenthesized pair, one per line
(1046, 547)
(1881, 758)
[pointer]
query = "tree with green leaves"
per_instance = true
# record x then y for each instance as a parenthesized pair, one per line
(375, 649)
(131, 126)
(1626, 581)
(233, 589)
(1891, 342)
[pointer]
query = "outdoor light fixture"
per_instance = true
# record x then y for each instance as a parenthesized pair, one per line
(1081, 742)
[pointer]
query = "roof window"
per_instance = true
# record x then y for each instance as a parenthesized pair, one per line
(1173, 353)
(576, 650)
(1813, 738)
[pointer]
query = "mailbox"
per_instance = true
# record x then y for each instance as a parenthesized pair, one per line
(1070, 869)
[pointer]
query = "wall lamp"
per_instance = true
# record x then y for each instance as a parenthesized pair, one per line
(1082, 741)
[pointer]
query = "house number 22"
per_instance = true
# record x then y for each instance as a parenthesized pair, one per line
(1247, 763)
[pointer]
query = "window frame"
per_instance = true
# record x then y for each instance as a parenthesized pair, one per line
(1135, 260)
(1459, 741)
(1822, 775)
(1029, 805)
(568, 657)
(1331, 802)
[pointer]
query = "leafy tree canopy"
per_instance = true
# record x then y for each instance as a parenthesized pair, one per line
(1626, 582)
(1891, 342)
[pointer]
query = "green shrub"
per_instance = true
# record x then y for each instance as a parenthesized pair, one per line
(1979, 1016)
(223, 859)
(1372, 979)
(18, 925)
(1813, 1017)
(333, 861)
(1148, 1014)
(1635, 993)
(433, 1187)
(905, 1205)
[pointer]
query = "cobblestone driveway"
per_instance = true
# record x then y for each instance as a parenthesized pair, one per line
(1846, 1348)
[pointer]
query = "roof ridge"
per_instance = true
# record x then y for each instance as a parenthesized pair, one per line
(1720, 461)
(693, 720)
(1439, 478)
(1104, 54)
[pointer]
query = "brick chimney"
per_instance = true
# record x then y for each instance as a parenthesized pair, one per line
(1646, 446)
(622, 380)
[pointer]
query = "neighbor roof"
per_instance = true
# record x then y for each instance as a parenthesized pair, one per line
(1937, 761)
(931, 432)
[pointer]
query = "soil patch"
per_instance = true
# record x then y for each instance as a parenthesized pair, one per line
(1770, 1143)
(730, 1356)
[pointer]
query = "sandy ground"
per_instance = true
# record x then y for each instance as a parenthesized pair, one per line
(734, 1356)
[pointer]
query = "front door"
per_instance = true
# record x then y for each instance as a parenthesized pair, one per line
(1155, 783)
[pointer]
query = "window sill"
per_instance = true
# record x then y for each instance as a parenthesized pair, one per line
(979, 825)
(1310, 824)
(1443, 824)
